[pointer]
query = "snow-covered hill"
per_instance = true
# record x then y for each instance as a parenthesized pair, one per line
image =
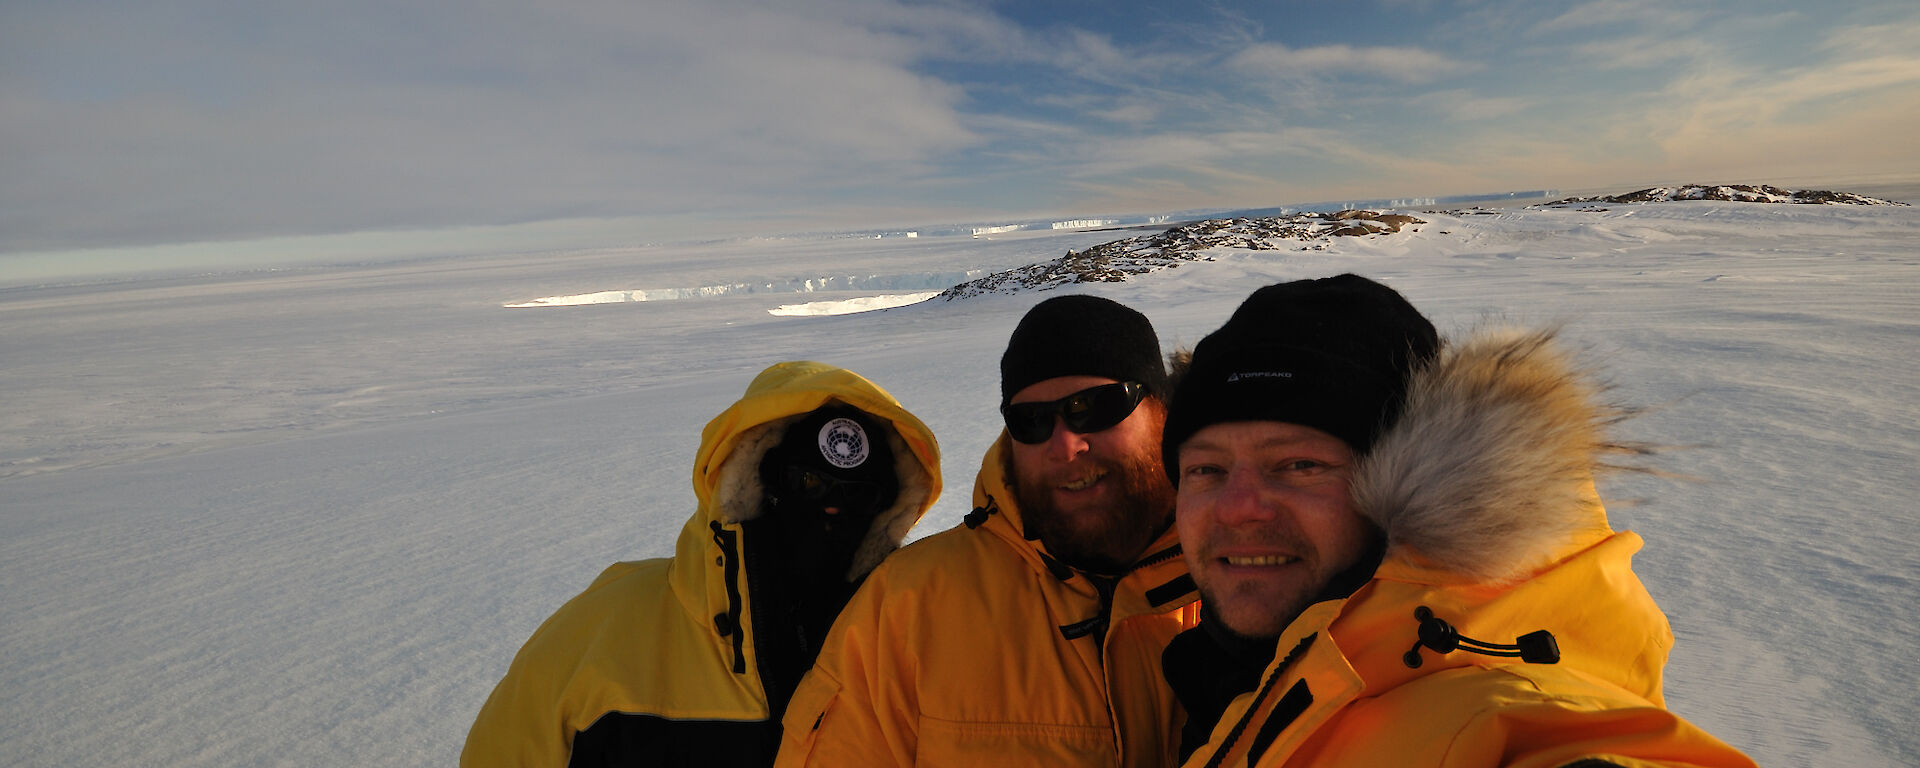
(1114, 261)
(1745, 193)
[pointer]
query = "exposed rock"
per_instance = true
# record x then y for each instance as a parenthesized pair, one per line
(1744, 193)
(1114, 261)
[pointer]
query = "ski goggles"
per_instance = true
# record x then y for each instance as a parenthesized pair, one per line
(862, 497)
(1085, 412)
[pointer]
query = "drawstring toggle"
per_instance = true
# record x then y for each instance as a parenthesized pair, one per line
(1537, 647)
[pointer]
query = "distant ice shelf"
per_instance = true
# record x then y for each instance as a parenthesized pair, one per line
(850, 306)
(910, 284)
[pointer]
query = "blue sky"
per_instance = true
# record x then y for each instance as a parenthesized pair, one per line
(272, 127)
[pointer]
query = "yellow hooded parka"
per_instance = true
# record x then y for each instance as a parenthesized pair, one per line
(658, 662)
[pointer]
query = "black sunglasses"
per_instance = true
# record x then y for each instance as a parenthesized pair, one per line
(860, 497)
(1086, 411)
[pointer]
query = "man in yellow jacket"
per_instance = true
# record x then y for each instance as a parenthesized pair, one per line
(803, 485)
(1400, 549)
(1030, 635)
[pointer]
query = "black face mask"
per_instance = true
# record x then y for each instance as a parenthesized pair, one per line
(828, 478)
(805, 486)
(820, 519)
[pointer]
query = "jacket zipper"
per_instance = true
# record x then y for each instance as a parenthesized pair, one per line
(1289, 709)
(728, 624)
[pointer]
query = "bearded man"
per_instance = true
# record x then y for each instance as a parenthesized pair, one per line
(1031, 634)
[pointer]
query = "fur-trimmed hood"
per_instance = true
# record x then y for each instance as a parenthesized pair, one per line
(726, 476)
(1485, 491)
(1488, 474)
(704, 574)
(1504, 624)
(663, 651)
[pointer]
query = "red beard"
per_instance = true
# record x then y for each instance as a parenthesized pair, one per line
(1135, 508)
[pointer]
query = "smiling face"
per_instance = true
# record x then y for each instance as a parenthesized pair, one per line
(1266, 520)
(1095, 500)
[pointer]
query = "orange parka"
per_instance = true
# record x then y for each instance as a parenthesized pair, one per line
(1495, 533)
(974, 647)
(664, 662)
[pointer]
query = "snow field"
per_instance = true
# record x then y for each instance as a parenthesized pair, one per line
(306, 518)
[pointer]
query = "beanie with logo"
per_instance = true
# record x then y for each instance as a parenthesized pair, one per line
(1333, 353)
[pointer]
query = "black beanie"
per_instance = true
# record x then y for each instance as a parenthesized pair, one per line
(1333, 354)
(1082, 335)
(839, 441)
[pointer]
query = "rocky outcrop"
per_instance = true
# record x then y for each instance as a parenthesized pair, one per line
(1743, 193)
(1115, 261)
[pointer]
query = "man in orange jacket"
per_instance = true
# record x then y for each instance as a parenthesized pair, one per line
(1030, 635)
(1401, 554)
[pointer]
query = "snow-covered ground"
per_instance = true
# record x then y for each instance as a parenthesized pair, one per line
(306, 517)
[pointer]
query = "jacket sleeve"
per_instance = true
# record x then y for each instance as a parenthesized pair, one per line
(1512, 716)
(1564, 718)
(1557, 734)
(520, 725)
(857, 705)
(1521, 716)
(533, 714)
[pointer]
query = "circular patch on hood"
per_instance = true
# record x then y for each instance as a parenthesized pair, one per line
(844, 444)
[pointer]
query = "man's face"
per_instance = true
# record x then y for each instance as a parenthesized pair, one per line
(1096, 500)
(1266, 520)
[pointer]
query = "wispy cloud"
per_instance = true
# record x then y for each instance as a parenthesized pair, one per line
(1406, 65)
(1641, 51)
(128, 124)
(603, 112)
(1888, 37)
(1461, 105)
(1859, 106)
(1646, 14)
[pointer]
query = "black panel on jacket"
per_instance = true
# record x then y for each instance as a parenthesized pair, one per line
(620, 739)
(795, 600)
(1206, 669)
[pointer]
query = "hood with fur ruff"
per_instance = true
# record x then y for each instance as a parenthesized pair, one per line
(1484, 491)
(1488, 474)
(726, 473)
